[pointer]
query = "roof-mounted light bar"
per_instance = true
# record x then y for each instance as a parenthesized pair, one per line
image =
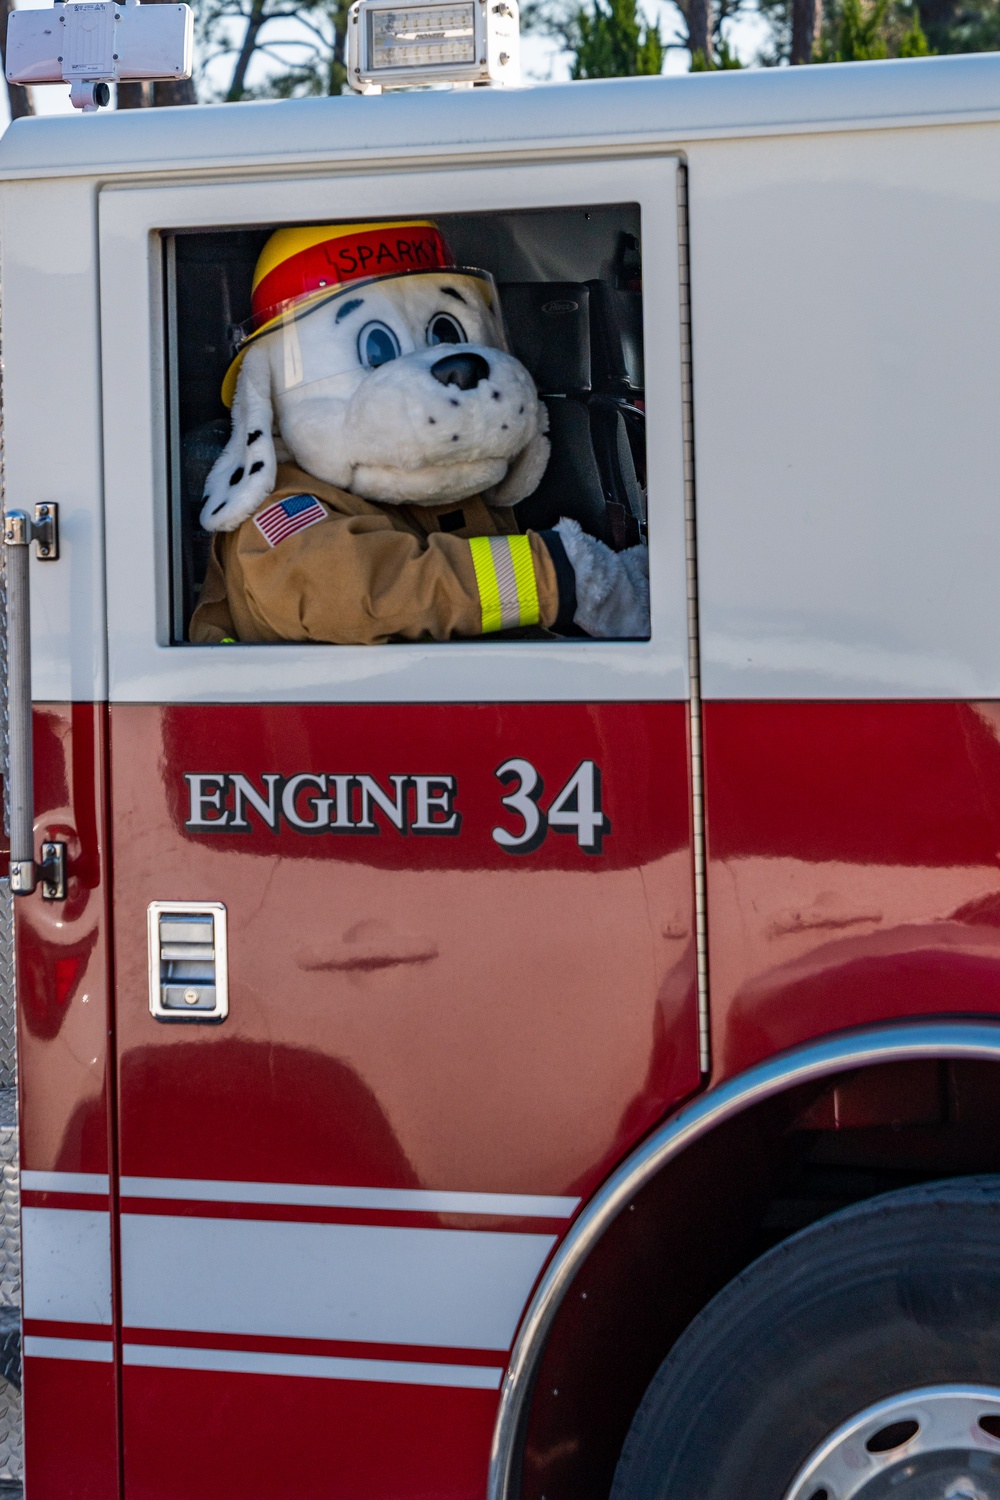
(94, 43)
(432, 41)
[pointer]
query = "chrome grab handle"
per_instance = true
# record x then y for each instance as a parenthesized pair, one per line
(20, 530)
(188, 960)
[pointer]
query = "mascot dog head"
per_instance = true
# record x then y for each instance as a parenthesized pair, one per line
(380, 363)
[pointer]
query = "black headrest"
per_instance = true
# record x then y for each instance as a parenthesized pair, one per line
(549, 327)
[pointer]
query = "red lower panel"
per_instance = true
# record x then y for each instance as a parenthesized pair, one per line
(426, 992)
(412, 1008)
(70, 1445)
(854, 868)
(301, 1439)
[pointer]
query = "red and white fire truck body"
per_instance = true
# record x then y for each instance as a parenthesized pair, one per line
(548, 964)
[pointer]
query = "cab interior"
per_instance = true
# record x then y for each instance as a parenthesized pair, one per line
(570, 282)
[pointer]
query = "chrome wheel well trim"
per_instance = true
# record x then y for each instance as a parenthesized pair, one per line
(904, 1042)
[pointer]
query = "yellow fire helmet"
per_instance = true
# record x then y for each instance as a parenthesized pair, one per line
(300, 266)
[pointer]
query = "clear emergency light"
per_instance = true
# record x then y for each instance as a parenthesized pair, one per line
(94, 43)
(445, 41)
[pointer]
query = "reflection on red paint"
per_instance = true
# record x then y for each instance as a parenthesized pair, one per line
(66, 972)
(854, 867)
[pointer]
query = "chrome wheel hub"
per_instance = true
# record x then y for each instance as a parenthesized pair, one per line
(938, 1443)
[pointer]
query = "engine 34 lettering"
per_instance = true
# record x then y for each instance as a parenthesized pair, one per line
(316, 802)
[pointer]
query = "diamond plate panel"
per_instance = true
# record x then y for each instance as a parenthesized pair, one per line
(10, 1227)
(11, 1447)
(8, 1035)
(11, 1461)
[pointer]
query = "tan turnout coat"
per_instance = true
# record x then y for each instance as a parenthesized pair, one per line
(365, 574)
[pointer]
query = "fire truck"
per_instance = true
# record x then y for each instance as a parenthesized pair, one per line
(527, 1067)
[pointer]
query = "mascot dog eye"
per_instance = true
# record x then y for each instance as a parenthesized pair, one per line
(377, 344)
(444, 329)
(393, 518)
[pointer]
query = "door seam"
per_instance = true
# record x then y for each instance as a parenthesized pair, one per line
(695, 742)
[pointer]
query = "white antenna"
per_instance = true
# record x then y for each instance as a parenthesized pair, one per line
(94, 43)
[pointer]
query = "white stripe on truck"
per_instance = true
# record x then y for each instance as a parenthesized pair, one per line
(91, 1351)
(321, 1367)
(392, 1200)
(374, 1284)
(65, 1182)
(67, 1264)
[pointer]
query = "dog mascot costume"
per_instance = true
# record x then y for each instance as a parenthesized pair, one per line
(381, 438)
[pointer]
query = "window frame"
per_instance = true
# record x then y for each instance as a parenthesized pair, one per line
(144, 666)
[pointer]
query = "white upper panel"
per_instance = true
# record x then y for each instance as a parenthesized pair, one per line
(608, 113)
(846, 333)
(143, 667)
(52, 421)
(846, 309)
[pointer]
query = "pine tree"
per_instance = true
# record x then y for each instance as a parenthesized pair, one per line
(913, 42)
(860, 32)
(611, 41)
(851, 31)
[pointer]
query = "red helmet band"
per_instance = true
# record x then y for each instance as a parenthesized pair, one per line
(374, 252)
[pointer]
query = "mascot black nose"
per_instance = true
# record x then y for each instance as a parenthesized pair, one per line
(463, 370)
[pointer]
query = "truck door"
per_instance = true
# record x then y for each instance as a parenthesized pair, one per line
(404, 942)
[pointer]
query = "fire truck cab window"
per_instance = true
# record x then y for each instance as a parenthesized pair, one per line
(382, 378)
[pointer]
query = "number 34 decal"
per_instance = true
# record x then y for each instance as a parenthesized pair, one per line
(575, 809)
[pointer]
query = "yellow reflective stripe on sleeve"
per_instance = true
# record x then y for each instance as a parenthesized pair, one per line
(489, 588)
(505, 573)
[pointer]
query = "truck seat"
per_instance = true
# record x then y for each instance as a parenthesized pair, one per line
(616, 341)
(582, 342)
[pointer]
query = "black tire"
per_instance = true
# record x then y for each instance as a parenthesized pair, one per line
(896, 1293)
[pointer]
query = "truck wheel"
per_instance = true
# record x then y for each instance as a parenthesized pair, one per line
(859, 1360)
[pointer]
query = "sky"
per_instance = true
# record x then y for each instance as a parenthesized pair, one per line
(542, 59)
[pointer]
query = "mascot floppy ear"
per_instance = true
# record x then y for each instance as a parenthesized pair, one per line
(243, 474)
(526, 469)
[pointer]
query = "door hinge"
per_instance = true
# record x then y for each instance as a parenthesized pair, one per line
(20, 530)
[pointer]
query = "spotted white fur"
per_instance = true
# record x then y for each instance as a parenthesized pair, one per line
(394, 433)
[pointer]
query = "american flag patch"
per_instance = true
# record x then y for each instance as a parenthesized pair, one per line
(287, 516)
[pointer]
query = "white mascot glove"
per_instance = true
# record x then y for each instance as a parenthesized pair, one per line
(612, 588)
